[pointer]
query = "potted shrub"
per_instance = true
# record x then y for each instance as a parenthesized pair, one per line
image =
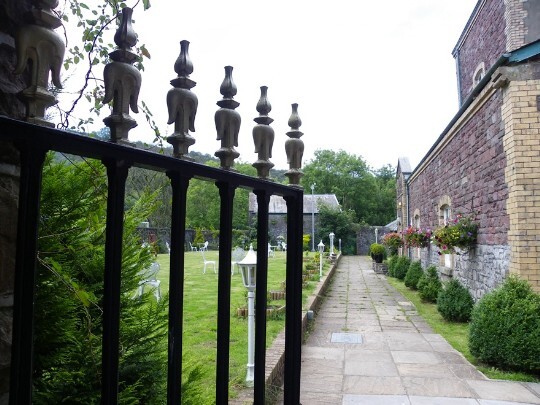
(416, 237)
(393, 241)
(459, 233)
(376, 251)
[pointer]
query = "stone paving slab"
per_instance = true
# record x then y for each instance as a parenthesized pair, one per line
(399, 360)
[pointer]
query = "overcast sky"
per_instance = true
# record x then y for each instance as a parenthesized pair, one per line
(376, 79)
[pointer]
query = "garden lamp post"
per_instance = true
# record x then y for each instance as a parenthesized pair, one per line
(376, 235)
(340, 244)
(331, 243)
(321, 251)
(248, 268)
(313, 218)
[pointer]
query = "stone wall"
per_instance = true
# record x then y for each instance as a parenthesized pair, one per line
(483, 41)
(466, 170)
(11, 14)
(366, 236)
(482, 268)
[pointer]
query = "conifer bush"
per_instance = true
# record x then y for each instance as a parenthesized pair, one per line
(413, 275)
(401, 267)
(429, 285)
(69, 296)
(455, 302)
(391, 263)
(505, 327)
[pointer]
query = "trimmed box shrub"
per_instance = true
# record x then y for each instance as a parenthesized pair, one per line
(505, 327)
(413, 275)
(455, 302)
(429, 285)
(401, 267)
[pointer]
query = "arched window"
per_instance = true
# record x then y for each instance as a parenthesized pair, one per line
(478, 74)
(416, 219)
(445, 214)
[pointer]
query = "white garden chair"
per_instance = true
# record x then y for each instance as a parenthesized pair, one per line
(150, 278)
(271, 252)
(193, 248)
(207, 262)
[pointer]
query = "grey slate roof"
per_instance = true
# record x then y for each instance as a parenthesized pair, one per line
(278, 206)
(404, 165)
(393, 226)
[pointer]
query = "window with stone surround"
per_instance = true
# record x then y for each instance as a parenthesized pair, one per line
(478, 74)
(445, 213)
(416, 223)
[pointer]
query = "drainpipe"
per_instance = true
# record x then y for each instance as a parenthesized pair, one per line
(458, 74)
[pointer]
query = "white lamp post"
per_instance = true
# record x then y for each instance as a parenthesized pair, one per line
(331, 243)
(376, 235)
(321, 251)
(248, 268)
(313, 218)
(340, 244)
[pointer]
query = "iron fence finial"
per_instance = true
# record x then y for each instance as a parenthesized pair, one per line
(122, 81)
(263, 135)
(38, 43)
(227, 122)
(182, 104)
(294, 147)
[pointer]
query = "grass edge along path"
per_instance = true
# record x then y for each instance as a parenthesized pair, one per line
(457, 334)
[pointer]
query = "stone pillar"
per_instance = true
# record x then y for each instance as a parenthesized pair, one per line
(520, 112)
(26, 31)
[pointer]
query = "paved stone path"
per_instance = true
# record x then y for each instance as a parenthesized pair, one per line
(368, 346)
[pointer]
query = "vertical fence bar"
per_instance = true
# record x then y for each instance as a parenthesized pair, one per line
(116, 174)
(179, 184)
(263, 200)
(226, 193)
(22, 350)
(293, 310)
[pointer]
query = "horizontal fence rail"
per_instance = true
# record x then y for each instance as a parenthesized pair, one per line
(34, 142)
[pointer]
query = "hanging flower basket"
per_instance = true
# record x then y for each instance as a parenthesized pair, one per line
(392, 241)
(416, 237)
(459, 233)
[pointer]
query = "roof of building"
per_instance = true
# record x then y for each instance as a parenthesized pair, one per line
(393, 226)
(404, 165)
(520, 55)
(311, 204)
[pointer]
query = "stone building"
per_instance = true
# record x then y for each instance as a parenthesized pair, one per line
(278, 213)
(486, 162)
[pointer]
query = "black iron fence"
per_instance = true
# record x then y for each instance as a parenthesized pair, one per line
(34, 142)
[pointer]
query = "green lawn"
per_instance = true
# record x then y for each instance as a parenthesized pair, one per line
(455, 333)
(200, 315)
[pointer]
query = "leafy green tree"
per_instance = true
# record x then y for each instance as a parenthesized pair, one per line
(342, 223)
(385, 197)
(69, 295)
(203, 203)
(369, 195)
